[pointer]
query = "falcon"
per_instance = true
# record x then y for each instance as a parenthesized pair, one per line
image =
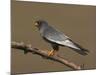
(57, 38)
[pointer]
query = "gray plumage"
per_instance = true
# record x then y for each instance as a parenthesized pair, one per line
(57, 38)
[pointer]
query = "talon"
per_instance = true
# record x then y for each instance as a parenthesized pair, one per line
(51, 53)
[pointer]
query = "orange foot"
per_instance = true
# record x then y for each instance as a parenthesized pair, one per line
(52, 53)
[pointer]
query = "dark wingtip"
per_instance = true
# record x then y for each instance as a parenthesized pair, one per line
(83, 52)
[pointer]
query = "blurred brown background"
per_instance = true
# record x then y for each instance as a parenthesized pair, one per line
(77, 21)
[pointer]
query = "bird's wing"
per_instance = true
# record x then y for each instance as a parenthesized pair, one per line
(58, 37)
(69, 43)
(65, 42)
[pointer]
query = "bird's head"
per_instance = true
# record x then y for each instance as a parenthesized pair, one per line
(40, 23)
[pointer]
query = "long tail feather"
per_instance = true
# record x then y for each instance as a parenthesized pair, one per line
(80, 49)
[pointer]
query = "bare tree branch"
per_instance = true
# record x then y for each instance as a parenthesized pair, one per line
(44, 54)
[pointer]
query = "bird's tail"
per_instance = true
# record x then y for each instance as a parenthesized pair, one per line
(82, 51)
(79, 49)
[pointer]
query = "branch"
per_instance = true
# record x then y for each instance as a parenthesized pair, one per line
(44, 54)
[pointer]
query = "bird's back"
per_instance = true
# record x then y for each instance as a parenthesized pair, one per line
(53, 34)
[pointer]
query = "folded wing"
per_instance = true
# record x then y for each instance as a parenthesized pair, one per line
(59, 38)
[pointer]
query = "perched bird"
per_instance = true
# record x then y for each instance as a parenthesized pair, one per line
(57, 38)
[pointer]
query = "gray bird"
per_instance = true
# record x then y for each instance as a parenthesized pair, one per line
(57, 38)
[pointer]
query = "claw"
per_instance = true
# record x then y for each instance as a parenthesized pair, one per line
(52, 53)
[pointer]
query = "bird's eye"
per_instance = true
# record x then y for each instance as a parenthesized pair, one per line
(36, 23)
